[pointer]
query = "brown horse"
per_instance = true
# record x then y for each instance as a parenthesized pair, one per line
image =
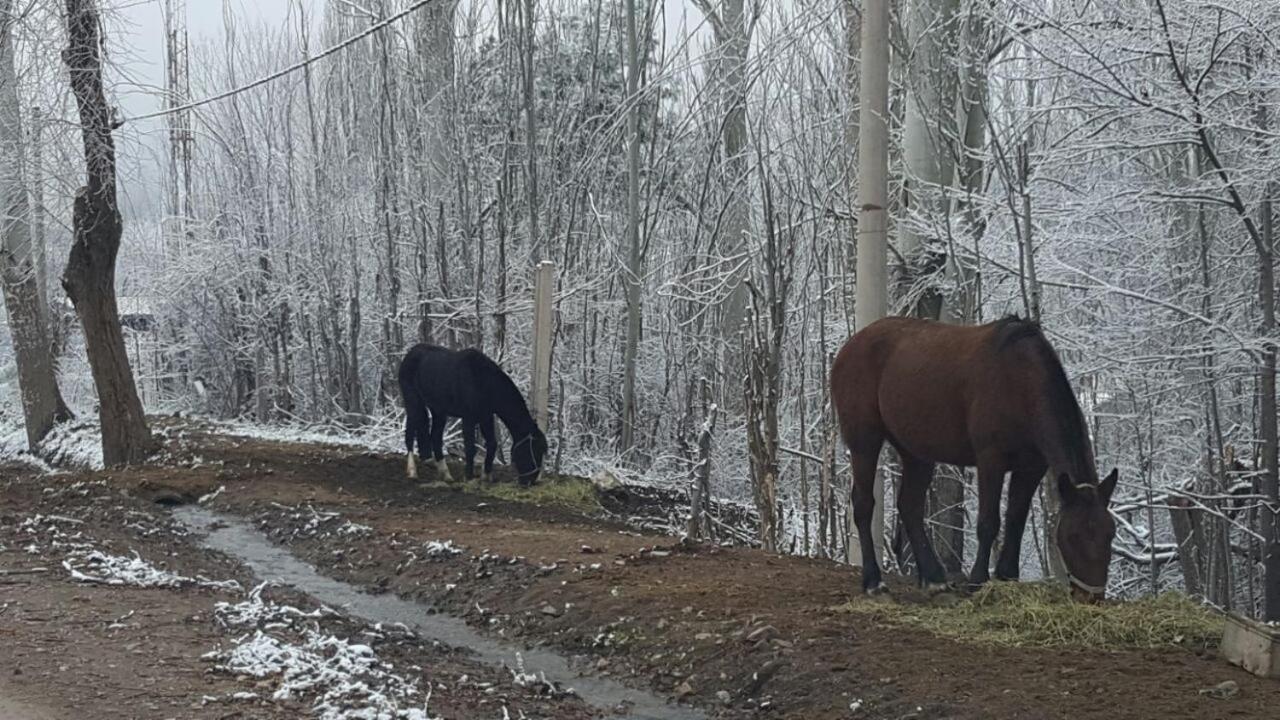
(992, 396)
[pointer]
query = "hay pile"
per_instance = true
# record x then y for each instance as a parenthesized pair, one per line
(1043, 614)
(563, 490)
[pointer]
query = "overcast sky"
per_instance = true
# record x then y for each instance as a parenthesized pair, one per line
(137, 43)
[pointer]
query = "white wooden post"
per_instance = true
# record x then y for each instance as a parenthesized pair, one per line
(543, 299)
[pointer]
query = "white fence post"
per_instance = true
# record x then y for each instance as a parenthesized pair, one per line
(543, 299)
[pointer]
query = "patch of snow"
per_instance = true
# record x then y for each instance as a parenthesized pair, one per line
(441, 548)
(49, 530)
(384, 435)
(75, 444)
(99, 568)
(345, 680)
(257, 612)
(309, 522)
(210, 496)
(351, 529)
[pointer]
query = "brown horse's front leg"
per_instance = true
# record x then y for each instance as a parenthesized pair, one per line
(990, 483)
(913, 491)
(1022, 490)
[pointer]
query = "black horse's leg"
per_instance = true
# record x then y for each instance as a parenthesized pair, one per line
(423, 435)
(490, 445)
(1022, 490)
(415, 431)
(438, 421)
(917, 474)
(864, 461)
(469, 448)
(990, 483)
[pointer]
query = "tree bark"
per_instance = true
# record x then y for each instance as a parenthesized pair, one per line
(531, 130)
(732, 30)
(1269, 431)
(632, 279)
(928, 129)
(42, 404)
(1182, 520)
(91, 269)
(871, 299)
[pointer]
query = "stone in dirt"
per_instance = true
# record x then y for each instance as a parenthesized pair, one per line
(1224, 690)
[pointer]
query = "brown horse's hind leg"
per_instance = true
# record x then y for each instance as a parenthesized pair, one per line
(917, 474)
(1022, 490)
(864, 503)
(990, 483)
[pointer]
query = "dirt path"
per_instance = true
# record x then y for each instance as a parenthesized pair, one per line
(200, 643)
(735, 631)
(11, 709)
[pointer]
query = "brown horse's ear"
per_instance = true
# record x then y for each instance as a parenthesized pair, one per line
(1108, 486)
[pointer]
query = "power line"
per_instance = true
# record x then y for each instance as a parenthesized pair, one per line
(286, 71)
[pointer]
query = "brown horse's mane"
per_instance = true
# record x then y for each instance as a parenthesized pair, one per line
(1070, 429)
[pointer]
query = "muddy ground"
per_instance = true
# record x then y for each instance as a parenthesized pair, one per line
(735, 632)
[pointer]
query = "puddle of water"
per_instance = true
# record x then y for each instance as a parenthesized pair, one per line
(270, 562)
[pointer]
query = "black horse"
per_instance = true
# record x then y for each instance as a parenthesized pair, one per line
(438, 383)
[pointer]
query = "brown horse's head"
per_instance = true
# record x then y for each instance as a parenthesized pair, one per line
(1085, 530)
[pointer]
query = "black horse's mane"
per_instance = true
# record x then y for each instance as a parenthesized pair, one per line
(1011, 331)
(503, 392)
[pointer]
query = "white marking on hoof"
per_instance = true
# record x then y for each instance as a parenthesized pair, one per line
(442, 467)
(934, 588)
(411, 467)
(878, 589)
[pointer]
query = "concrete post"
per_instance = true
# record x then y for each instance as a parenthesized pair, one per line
(543, 300)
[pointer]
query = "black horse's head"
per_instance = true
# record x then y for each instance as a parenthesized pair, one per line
(1085, 531)
(527, 453)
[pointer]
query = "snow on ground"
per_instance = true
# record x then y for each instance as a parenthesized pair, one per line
(346, 680)
(438, 548)
(343, 680)
(310, 523)
(74, 445)
(99, 568)
(385, 434)
(256, 612)
(40, 533)
(77, 444)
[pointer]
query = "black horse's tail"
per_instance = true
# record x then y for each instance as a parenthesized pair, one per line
(415, 411)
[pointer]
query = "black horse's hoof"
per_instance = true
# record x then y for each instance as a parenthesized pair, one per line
(936, 587)
(876, 588)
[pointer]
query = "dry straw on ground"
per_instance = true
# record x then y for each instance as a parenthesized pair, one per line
(1042, 614)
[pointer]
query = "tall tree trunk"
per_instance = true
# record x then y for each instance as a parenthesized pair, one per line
(632, 279)
(852, 81)
(732, 29)
(928, 130)
(531, 131)
(938, 109)
(38, 238)
(873, 193)
(91, 269)
(42, 404)
(1269, 431)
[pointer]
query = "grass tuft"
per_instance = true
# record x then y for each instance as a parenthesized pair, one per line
(562, 490)
(1044, 615)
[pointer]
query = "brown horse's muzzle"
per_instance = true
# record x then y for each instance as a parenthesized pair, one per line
(1083, 592)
